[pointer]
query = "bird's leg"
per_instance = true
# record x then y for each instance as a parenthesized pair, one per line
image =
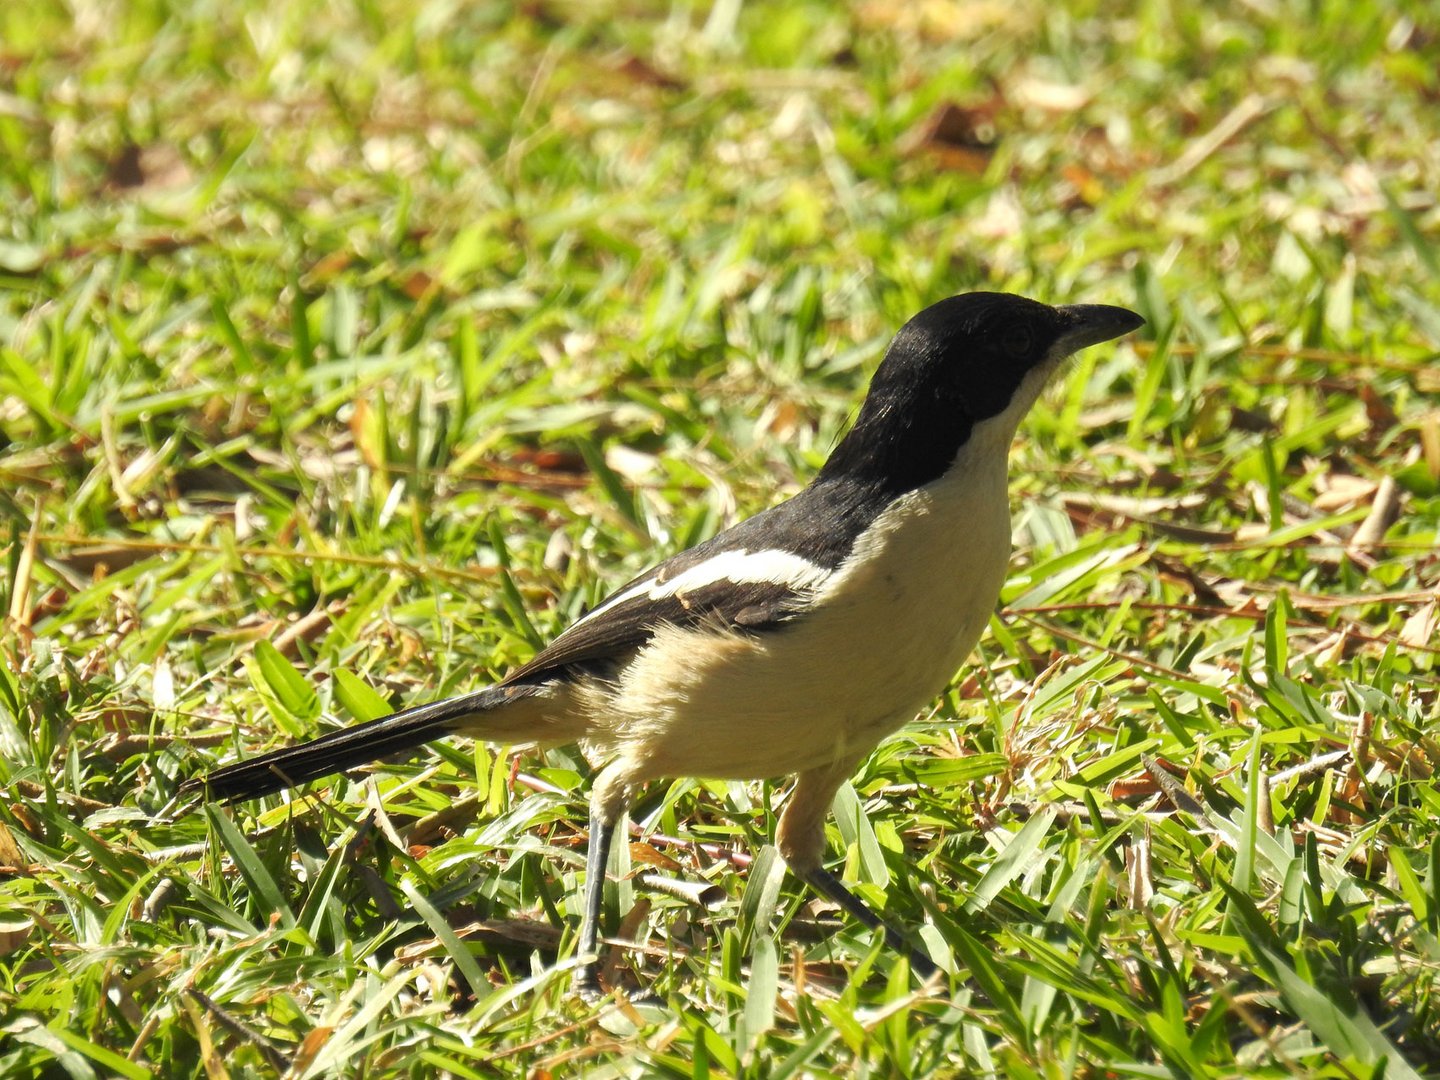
(609, 796)
(828, 885)
(801, 840)
(597, 857)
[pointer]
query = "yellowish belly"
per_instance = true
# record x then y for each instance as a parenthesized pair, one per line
(883, 638)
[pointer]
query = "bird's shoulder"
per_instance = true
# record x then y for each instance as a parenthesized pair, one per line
(755, 577)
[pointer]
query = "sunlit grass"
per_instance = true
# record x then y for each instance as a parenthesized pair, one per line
(350, 349)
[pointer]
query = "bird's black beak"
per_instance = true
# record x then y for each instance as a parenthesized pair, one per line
(1090, 324)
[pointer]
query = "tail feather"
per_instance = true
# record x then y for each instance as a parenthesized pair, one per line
(349, 747)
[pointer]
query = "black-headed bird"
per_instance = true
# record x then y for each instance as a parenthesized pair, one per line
(795, 641)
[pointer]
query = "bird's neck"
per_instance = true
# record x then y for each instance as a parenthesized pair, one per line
(900, 441)
(905, 440)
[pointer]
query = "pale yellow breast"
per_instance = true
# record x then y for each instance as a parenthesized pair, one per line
(885, 635)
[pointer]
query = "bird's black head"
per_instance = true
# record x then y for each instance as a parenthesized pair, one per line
(960, 362)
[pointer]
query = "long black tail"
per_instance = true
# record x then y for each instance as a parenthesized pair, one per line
(344, 749)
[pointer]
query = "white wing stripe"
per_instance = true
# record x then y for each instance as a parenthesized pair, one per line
(742, 567)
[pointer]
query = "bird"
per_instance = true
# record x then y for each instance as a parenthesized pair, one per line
(795, 641)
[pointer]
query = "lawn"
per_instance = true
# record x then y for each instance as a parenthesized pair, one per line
(351, 348)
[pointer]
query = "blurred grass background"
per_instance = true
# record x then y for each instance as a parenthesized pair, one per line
(350, 348)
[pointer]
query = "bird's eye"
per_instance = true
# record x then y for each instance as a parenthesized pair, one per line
(1016, 341)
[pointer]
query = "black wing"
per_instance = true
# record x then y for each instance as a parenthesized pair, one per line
(818, 528)
(617, 632)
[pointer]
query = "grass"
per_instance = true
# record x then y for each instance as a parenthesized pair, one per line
(348, 349)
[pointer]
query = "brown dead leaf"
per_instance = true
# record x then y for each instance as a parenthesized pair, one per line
(123, 170)
(326, 269)
(957, 138)
(1332, 650)
(647, 855)
(417, 284)
(1243, 605)
(1419, 629)
(630, 929)
(10, 854)
(1088, 188)
(363, 432)
(641, 71)
(307, 628)
(410, 646)
(1131, 787)
(541, 14)
(780, 419)
(1377, 409)
(550, 460)
(970, 689)
(1143, 783)
(158, 167)
(1349, 805)
(310, 1048)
